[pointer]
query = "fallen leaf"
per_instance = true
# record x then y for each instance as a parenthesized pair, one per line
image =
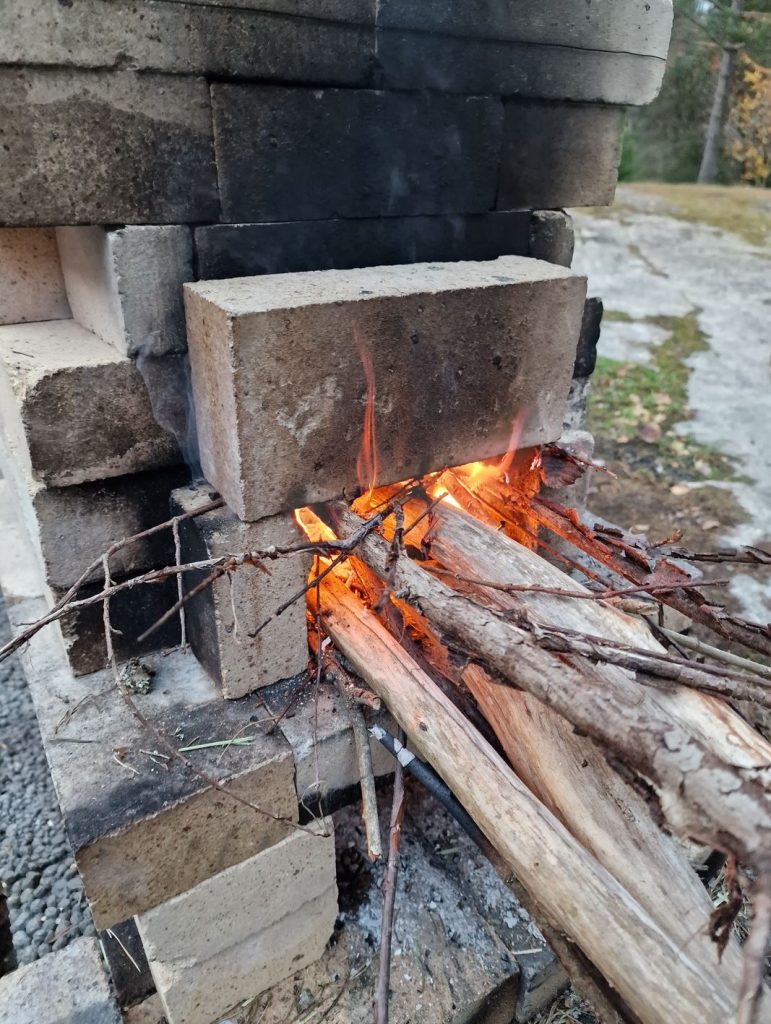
(710, 524)
(649, 432)
(679, 490)
(640, 528)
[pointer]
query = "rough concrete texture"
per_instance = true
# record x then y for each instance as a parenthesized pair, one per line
(551, 237)
(308, 154)
(558, 155)
(31, 284)
(243, 250)
(126, 286)
(456, 351)
(265, 919)
(71, 526)
(105, 147)
(222, 619)
(464, 951)
(318, 729)
(673, 267)
(421, 60)
(73, 409)
(67, 987)
(144, 835)
(194, 39)
(625, 26)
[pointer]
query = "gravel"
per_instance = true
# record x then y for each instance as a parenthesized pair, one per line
(45, 898)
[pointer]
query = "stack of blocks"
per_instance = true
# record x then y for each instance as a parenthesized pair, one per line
(420, 155)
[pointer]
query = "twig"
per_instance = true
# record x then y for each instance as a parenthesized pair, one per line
(389, 895)
(364, 758)
(747, 555)
(715, 652)
(180, 586)
(112, 935)
(179, 605)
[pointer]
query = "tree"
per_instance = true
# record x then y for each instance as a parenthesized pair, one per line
(717, 115)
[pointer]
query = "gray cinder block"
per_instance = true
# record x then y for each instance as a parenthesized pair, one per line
(31, 283)
(308, 154)
(457, 351)
(126, 285)
(222, 618)
(242, 250)
(75, 410)
(100, 147)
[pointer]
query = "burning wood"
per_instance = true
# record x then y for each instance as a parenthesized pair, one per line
(574, 691)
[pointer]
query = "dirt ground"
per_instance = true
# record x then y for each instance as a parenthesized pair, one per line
(681, 403)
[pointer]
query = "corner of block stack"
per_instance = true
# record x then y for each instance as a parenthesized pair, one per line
(225, 619)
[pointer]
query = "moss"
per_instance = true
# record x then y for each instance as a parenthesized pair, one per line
(638, 406)
(616, 316)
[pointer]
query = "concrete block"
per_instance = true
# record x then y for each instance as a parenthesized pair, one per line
(61, 988)
(31, 283)
(247, 944)
(421, 60)
(126, 286)
(559, 155)
(72, 526)
(624, 26)
(141, 837)
(105, 147)
(552, 237)
(308, 154)
(318, 730)
(222, 618)
(355, 11)
(230, 40)
(280, 390)
(73, 409)
(243, 250)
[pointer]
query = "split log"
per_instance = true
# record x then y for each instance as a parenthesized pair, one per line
(712, 782)
(657, 979)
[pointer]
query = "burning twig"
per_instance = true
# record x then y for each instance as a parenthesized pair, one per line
(389, 896)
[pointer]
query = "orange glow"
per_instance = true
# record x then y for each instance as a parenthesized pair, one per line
(366, 460)
(516, 433)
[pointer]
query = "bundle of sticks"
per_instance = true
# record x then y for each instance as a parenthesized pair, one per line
(579, 745)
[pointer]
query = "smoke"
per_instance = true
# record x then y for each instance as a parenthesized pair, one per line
(168, 383)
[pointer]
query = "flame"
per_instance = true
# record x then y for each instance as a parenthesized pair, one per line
(366, 460)
(516, 433)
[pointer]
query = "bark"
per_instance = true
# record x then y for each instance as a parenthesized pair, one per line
(655, 977)
(709, 768)
(714, 137)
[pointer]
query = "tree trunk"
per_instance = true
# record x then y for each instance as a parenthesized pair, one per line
(712, 143)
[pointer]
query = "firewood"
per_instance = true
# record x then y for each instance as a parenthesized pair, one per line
(656, 978)
(709, 769)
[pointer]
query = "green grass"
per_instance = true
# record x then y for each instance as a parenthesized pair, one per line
(639, 405)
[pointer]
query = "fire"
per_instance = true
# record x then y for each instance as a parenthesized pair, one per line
(366, 460)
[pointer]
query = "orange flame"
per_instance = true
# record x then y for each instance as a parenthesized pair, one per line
(516, 433)
(366, 460)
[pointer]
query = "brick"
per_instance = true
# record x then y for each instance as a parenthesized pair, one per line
(559, 155)
(72, 526)
(247, 945)
(126, 286)
(552, 237)
(31, 283)
(420, 60)
(60, 988)
(222, 617)
(318, 730)
(105, 147)
(195, 38)
(243, 250)
(439, 336)
(625, 26)
(308, 154)
(75, 410)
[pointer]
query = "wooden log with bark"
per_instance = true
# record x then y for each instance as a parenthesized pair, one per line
(657, 979)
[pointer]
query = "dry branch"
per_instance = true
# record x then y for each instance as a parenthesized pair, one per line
(710, 789)
(657, 979)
